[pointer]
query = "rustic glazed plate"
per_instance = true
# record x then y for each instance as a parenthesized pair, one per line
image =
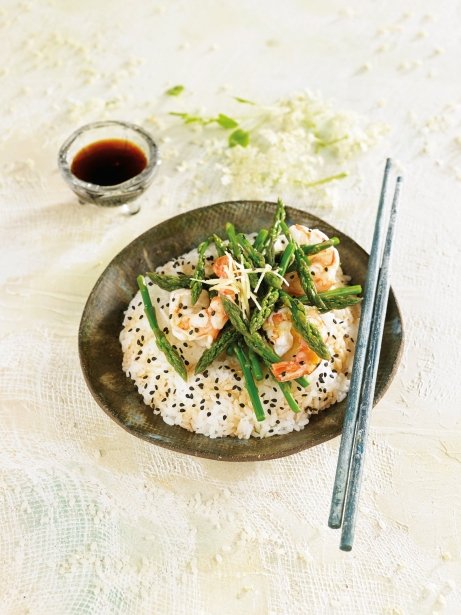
(101, 354)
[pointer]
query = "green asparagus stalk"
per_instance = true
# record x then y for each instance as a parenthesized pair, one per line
(305, 277)
(219, 243)
(255, 365)
(302, 267)
(271, 297)
(170, 282)
(196, 286)
(256, 258)
(227, 337)
(253, 340)
(260, 239)
(340, 303)
(306, 329)
(233, 241)
(341, 292)
(315, 248)
(249, 382)
(171, 355)
(338, 298)
(267, 305)
(285, 387)
(304, 382)
(274, 231)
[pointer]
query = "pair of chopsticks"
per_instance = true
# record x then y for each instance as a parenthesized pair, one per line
(346, 491)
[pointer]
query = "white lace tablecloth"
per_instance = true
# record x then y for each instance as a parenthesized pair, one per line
(94, 520)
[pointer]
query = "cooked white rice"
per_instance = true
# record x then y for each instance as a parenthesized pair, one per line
(216, 403)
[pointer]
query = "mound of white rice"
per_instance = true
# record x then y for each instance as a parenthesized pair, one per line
(216, 403)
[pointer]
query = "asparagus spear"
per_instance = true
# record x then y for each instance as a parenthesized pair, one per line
(340, 303)
(260, 239)
(267, 305)
(233, 241)
(219, 243)
(304, 382)
(341, 292)
(256, 259)
(249, 382)
(196, 286)
(272, 295)
(253, 340)
(306, 329)
(171, 355)
(170, 282)
(274, 231)
(255, 366)
(302, 268)
(315, 248)
(227, 337)
(338, 298)
(285, 387)
(251, 252)
(287, 393)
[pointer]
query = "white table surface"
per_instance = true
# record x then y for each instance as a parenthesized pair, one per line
(96, 521)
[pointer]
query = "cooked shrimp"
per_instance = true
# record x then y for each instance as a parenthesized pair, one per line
(298, 358)
(278, 328)
(203, 321)
(222, 268)
(323, 266)
(199, 323)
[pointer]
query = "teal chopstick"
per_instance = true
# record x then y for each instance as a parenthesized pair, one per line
(369, 382)
(350, 419)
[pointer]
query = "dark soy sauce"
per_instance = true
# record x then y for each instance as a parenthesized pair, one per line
(108, 162)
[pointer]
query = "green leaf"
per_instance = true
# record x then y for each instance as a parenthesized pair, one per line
(190, 119)
(239, 137)
(175, 90)
(244, 101)
(226, 122)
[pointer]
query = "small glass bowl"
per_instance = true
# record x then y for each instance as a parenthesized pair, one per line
(118, 194)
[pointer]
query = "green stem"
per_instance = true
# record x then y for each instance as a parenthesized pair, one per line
(315, 248)
(319, 182)
(249, 382)
(342, 292)
(255, 365)
(171, 355)
(219, 243)
(170, 282)
(260, 239)
(287, 393)
(233, 241)
(304, 382)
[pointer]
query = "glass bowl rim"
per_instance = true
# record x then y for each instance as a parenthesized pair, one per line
(138, 179)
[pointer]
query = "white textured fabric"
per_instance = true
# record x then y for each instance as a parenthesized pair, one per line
(94, 520)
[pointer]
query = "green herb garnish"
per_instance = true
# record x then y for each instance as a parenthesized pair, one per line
(175, 90)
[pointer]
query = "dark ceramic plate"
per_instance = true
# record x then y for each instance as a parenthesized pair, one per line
(101, 355)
